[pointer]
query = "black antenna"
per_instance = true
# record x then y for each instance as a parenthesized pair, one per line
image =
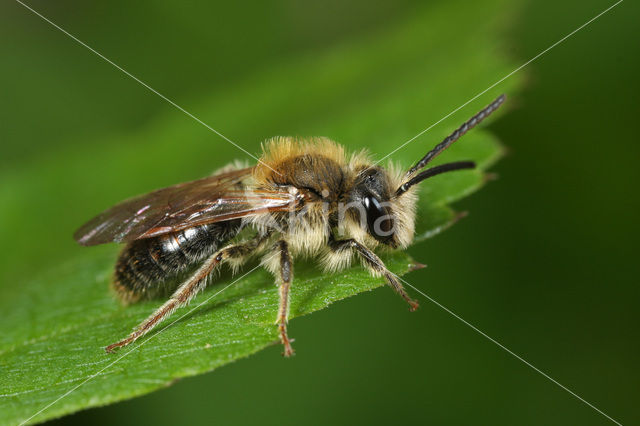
(474, 121)
(443, 168)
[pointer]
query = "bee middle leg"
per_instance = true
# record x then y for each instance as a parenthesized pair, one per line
(375, 266)
(284, 277)
(189, 288)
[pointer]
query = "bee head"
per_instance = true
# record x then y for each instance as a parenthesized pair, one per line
(371, 196)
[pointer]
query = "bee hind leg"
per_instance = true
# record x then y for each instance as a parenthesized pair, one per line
(375, 266)
(189, 289)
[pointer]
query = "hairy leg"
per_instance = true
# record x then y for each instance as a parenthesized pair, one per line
(285, 278)
(375, 265)
(189, 289)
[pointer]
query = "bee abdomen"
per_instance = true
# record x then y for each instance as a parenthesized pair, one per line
(146, 268)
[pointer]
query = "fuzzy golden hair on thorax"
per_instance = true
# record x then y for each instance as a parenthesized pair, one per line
(281, 148)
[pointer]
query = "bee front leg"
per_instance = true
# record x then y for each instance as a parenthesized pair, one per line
(284, 276)
(189, 289)
(375, 266)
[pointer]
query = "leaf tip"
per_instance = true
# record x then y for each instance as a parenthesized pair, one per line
(414, 266)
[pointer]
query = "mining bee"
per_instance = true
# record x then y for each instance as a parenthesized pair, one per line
(303, 198)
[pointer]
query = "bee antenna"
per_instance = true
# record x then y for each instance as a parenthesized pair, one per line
(470, 124)
(433, 171)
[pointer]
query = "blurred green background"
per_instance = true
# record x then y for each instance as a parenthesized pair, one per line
(546, 263)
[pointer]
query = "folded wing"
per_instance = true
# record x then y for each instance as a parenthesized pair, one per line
(216, 198)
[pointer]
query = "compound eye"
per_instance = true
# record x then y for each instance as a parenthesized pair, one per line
(378, 220)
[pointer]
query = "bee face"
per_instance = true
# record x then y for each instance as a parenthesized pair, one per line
(371, 197)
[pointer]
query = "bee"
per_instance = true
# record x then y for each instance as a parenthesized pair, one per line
(304, 198)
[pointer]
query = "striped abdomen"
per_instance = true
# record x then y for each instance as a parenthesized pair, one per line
(146, 267)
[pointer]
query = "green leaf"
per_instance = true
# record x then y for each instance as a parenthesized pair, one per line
(375, 91)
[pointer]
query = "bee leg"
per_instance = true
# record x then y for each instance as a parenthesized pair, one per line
(375, 266)
(188, 289)
(285, 278)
